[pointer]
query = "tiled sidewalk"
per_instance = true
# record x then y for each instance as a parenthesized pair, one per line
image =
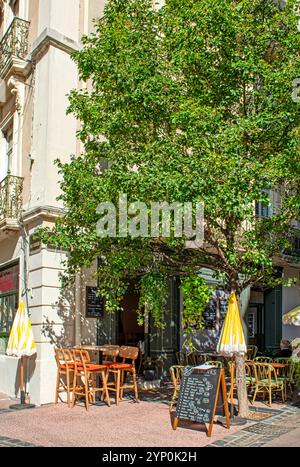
(261, 433)
(14, 443)
(143, 424)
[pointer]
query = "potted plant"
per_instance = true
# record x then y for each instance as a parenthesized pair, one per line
(295, 346)
(149, 369)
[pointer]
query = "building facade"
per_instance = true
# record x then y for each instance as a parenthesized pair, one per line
(37, 38)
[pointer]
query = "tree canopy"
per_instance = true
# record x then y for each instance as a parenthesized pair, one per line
(188, 102)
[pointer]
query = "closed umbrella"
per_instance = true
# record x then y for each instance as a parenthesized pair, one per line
(292, 317)
(232, 339)
(21, 344)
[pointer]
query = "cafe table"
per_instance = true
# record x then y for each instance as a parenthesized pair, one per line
(95, 348)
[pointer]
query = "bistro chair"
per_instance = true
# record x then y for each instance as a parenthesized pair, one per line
(284, 373)
(181, 358)
(249, 380)
(215, 363)
(85, 374)
(65, 370)
(266, 381)
(251, 352)
(262, 359)
(176, 372)
(119, 370)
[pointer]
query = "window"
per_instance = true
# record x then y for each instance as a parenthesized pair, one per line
(263, 210)
(9, 285)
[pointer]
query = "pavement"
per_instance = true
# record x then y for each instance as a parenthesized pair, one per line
(146, 424)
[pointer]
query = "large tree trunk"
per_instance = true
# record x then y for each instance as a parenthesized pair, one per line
(241, 386)
(240, 375)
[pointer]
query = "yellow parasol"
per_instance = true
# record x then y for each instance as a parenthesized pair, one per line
(232, 338)
(21, 342)
(292, 317)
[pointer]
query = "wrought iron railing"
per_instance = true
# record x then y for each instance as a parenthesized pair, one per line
(14, 42)
(11, 197)
(294, 250)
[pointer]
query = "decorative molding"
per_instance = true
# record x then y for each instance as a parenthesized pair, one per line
(14, 84)
(51, 37)
(43, 212)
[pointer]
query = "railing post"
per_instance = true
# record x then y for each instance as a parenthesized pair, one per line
(7, 197)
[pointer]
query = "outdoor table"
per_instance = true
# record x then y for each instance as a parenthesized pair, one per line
(95, 348)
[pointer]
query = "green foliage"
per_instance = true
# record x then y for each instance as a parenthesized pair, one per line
(153, 298)
(190, 102)
(196, 295)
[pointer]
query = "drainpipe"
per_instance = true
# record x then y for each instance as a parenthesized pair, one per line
(77, 308)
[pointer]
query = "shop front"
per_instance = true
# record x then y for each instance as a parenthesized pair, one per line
(9, 294)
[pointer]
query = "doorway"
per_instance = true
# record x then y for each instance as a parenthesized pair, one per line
(129, 331)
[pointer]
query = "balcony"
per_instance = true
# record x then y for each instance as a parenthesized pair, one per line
(14, 45)
(292, 254)
(10, 202)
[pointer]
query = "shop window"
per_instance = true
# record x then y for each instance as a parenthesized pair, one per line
(9, 285)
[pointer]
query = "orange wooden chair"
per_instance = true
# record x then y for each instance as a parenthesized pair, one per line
(110, 354)
(119, 371)
(65, 369)
(87, 372)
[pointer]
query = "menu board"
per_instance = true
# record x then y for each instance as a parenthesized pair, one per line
(202, 396)
(215, 312)
(95, 305)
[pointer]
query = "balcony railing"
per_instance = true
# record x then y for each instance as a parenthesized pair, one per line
(14, 43)
(11, 197)
(294, 250)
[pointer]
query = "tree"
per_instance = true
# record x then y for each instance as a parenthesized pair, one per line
(186, 103)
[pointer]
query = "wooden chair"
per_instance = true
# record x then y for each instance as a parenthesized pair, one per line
(266, 381)
(86, 372)
(119, 371)
(65, 368)
(110, 354)
(176, 372)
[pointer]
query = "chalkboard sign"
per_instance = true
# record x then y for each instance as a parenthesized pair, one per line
(94, 303)
(202, 396)
(216, 309)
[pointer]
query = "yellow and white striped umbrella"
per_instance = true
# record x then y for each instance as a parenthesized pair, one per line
(292, 317)
(21, 342)
(232, 338)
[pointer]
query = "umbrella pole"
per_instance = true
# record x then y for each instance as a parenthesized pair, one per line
(231, 387)
(22, 404)
(22, 391)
